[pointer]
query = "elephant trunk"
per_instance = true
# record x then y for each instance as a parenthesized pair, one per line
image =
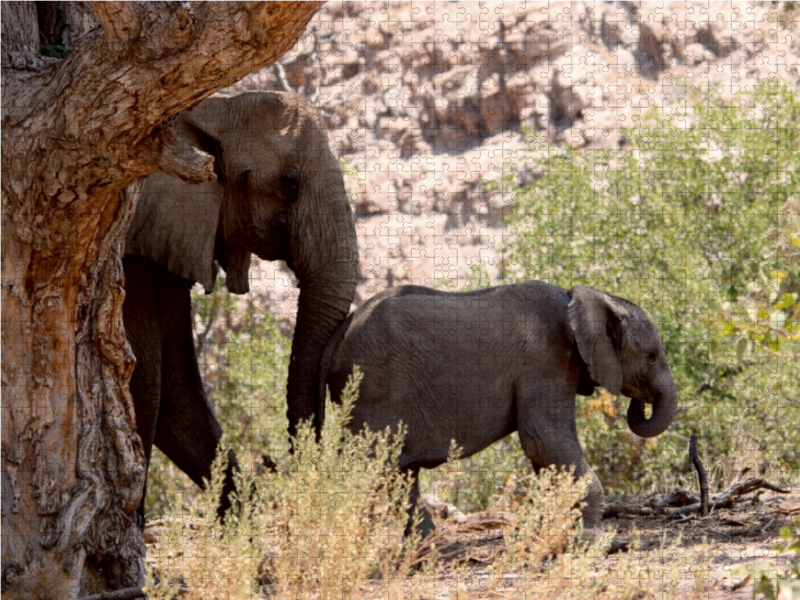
(325, 260)
(321, 308)
(665, 405)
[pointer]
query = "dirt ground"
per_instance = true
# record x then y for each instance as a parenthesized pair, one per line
(736, 538)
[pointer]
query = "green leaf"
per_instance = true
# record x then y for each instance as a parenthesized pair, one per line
(741, 348)
(786, 301)
(765, 587)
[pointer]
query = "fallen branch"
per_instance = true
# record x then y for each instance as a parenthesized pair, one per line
(685, 510)
(616, 509)
(741, 583)
(767, 526)
(679, 497)
(740, 474)
(451, 549)
(441, 509)
(726, 499)
(743, 487)
(130, 593)
(685, 519)
(701, 475)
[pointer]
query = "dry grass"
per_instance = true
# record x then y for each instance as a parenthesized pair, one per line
(323, 528)
(331, 525)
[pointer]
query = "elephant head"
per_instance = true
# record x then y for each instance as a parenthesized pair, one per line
(623, 353)
(279, 194)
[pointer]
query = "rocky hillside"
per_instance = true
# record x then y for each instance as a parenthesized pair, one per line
(427, 101)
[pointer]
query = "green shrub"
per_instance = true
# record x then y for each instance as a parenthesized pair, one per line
(778, 582)
(697, 223)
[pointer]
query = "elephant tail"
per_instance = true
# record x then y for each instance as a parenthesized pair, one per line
(324, 369)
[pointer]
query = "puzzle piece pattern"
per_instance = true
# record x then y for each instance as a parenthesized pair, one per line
(433, 106)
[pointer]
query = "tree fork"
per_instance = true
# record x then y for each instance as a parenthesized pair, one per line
(79, 133)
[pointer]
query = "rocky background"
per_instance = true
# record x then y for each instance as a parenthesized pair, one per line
(427, 102)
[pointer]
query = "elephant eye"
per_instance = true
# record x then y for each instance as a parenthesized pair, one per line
(289, 181)
(652, 356)
(289, 184)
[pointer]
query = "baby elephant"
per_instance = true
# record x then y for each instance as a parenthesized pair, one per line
(474, 367)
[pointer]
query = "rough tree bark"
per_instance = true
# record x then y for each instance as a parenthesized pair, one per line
(78, 133)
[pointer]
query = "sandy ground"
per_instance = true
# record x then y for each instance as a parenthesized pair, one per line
(734, 538)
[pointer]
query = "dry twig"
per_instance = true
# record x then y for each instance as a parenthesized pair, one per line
(740, 584)
(701, 475)
(740, 474)
(310, 55)
(726, 499)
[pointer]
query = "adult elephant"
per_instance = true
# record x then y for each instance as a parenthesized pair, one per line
(279, 194)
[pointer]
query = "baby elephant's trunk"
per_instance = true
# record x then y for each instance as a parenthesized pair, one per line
(665, 405)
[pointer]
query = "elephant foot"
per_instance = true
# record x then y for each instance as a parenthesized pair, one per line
(424, 528)
(609, 543)
(591, 534)
(618, 544)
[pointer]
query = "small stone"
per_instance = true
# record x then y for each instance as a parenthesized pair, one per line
(150, 535)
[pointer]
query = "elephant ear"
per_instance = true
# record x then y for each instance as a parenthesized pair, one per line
(175, 222)
(598, 321)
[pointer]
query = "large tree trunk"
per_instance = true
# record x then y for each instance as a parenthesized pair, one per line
(78, 133)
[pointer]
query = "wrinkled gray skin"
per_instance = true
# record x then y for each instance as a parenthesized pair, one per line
(475, 367)
(280, 195)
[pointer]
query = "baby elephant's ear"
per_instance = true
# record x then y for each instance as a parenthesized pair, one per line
(599, 322)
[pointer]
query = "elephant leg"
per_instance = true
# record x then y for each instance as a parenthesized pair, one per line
(146, 398)
(140, 316)
(549, 437)
(187, 430)
(426, 525)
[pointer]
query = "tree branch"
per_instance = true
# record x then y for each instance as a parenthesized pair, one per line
(280, 73)
(310, 54)
(200, 48)
(120, 21)
(131, 593)
(176, 157)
